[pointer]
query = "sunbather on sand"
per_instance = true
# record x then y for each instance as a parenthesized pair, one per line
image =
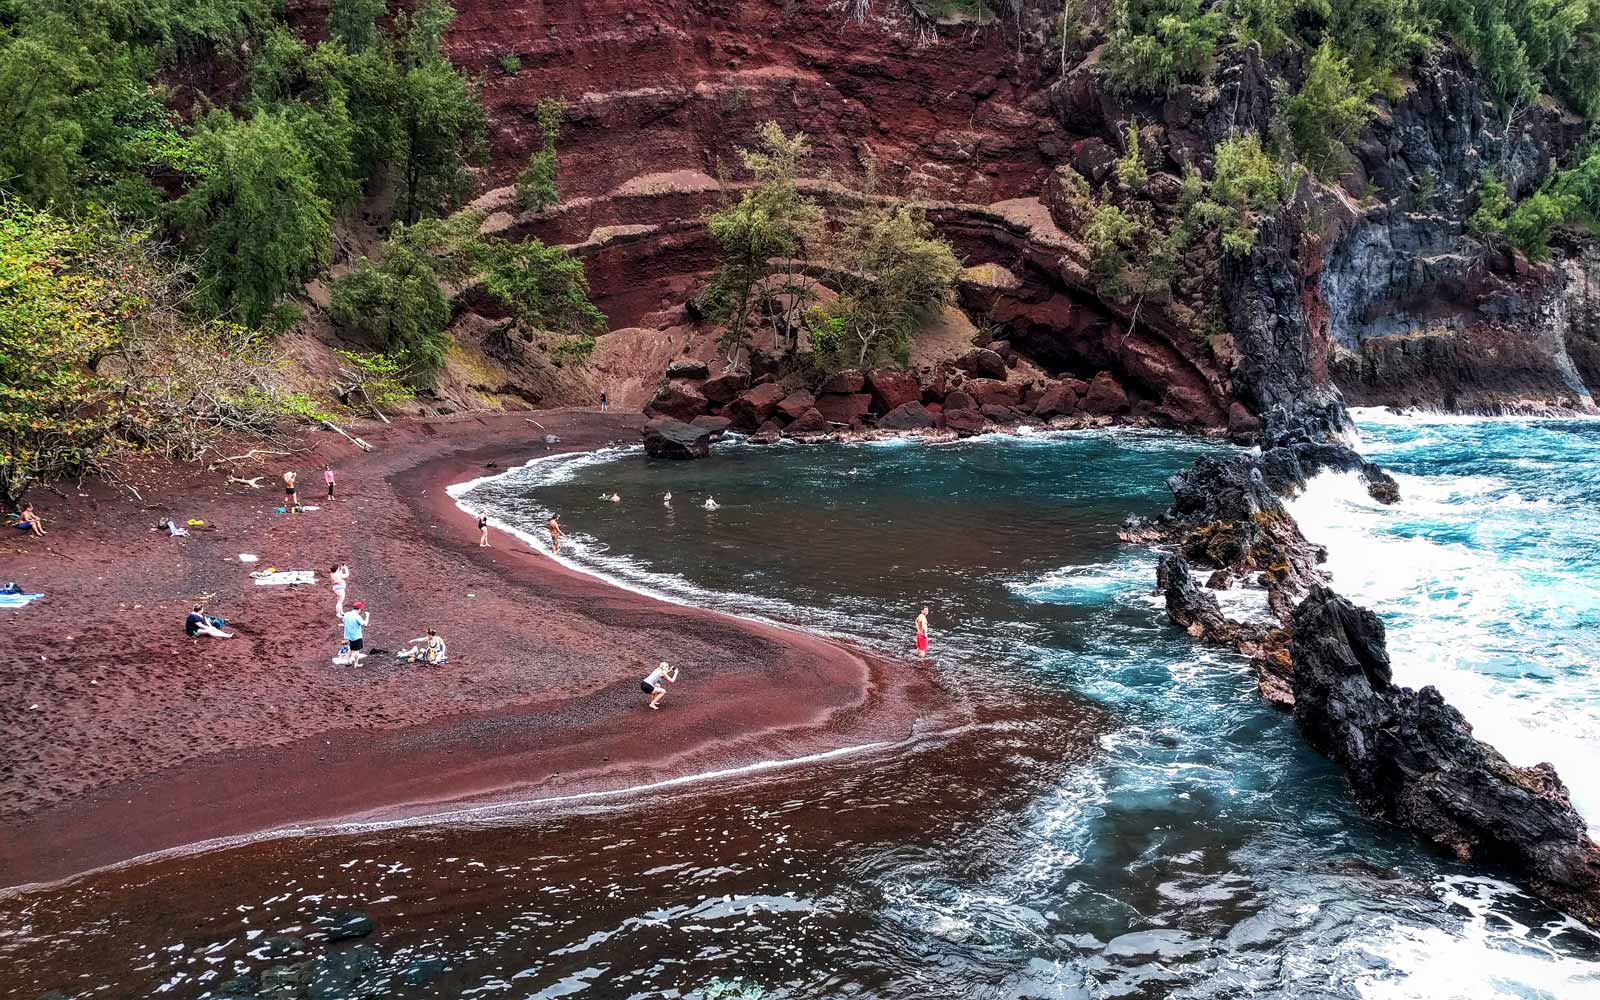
(428, 648)
(28, 521)
(198, 624)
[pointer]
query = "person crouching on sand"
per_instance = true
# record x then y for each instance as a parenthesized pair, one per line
(653, 686)
(922, 634)
(555, 534)
(198, 624)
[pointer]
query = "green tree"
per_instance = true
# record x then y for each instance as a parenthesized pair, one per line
(1153, 46)
(1110, 234)
(254, 213)
(397, 303)
(536, 184)
(768, 221)
(58, 318)
(1328, 112)
(440, 125)
(894, 275)
(354, 23)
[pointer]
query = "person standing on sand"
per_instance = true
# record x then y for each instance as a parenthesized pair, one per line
(555, 533)
(922, 634)
(604, 402)
(340, 575)
(483, 531)
(328, 477)
(354, 621)
(291, 492)
(652, 685)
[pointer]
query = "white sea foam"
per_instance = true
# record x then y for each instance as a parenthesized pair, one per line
(1468, 615)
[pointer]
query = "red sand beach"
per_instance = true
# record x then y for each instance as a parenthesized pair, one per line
(124, 737)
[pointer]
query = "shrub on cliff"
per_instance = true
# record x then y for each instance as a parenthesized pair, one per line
(545, 288)
(1328, 112)
(1246, 185)
(536, 184)
(1525, 226)
(354, 23)
(1152, 46)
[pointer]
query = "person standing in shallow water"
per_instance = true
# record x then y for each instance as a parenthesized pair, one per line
(922, 634)
(555, 533)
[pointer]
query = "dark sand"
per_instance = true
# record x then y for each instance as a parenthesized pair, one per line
(123, 737)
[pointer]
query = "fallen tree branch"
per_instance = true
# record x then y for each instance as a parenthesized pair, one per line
(247, 456)
(330, 425)
(254, 482)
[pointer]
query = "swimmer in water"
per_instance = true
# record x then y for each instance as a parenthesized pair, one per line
(711, 503)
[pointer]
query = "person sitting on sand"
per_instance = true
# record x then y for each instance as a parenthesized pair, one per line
(429, 649)
(711, 503)
(28, 521)
(354, 621)
(483, 531)
(555, 533)
(291, 492)
(652, 685)
(340, 575)
(198, 624)
(616, 498)
(666, 501)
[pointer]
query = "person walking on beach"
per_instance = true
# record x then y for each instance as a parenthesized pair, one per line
(354, 621)
(555, 533)
(340, 575)
(483, 531)
(291, 492)
(653, 684)
(28, 521)
(328, 477)
(922, 634)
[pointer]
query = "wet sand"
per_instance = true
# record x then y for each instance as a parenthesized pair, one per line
(125, 738)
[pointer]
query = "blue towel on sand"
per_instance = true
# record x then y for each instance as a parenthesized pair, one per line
(18, 600)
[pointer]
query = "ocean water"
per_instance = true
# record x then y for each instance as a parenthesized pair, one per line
(1123, 817)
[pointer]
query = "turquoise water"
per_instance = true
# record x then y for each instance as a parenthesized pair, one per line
(1123, 818)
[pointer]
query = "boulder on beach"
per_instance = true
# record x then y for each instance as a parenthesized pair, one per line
(716, 425)
(1105, 396)
(1058, 401)
(990, 393)
(810, 422)
(722, 389)
(982, 363)
(678, 401)
(845, 383)
(912, 416)
(892, 388)
(964, 422)
(755, 406)
(688, 368)
(796, 403)
(343, 924)
(665, 437)
(845, 409)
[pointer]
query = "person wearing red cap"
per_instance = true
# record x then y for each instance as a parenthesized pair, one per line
(354, 621)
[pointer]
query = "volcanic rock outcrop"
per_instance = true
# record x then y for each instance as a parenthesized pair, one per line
(1412, 759)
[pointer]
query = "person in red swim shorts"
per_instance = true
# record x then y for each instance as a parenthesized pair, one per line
(922, 634)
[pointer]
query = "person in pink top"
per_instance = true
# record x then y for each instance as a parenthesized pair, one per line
(327, 477)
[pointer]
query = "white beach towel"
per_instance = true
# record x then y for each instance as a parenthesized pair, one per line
(283, 577)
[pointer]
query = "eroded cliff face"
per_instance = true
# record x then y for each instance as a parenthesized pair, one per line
(1371, 287)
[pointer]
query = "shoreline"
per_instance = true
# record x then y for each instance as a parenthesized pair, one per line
(564, 736)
